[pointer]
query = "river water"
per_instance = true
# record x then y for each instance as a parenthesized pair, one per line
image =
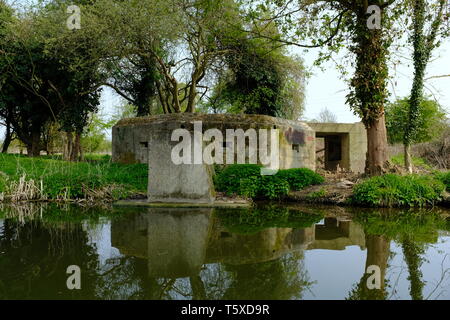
(268, 252)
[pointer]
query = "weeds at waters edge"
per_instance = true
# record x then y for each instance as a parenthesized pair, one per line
(392, 190)
(44, 179)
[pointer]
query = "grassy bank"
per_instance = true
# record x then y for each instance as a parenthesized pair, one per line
(46, 178)
(392, 190)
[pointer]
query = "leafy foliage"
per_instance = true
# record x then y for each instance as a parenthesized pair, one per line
(260, 79)
(246, 180)
(300, 178)
(44, 84)
(445, 178)
(398, 191)
(229, 179)
(273, 187)
(430, 122)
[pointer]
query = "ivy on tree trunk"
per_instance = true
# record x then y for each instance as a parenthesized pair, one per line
(423, 45)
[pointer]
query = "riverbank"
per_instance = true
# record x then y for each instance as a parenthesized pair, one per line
(98, 180)
(400, 190)
(52, 179)
(337, 194)
(391, 190)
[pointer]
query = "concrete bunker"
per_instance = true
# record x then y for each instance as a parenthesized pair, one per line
(149, 140)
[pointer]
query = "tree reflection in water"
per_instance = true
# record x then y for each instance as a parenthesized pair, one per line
(414, 230)
(167, 254)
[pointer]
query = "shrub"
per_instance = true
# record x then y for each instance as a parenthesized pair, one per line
(398, 191)
(273, 187)
(246, 180)
(229, 179)
(445, 178)
(249, 187)
(298, 179)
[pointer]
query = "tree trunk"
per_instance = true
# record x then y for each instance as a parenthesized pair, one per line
(34, 150)
(376, 147)
(68, 146)
(378, 250)
(192, 96)
(72, 149)
(369, 87)
(408, 160)
(81, 151)
(29, 150)
(8, 138)
(76, 155)
(198, 288)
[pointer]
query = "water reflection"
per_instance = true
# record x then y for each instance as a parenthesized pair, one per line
(265, 253)
(174, 241)
(180, 245)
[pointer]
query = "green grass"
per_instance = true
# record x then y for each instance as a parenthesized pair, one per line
(392, 190)
(399, 160)
(73, 180)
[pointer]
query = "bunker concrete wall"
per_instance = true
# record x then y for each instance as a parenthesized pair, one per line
(354, 147)
(131, 137)
(169, 182)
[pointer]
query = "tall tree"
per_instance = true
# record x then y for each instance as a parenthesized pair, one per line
(135, 79)
(179, 38)
(48, 83)
(424, 41)
(5, 111)
(378, 251)
(259, 77)
(326, 116)
(412, 253)
(366, 26)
